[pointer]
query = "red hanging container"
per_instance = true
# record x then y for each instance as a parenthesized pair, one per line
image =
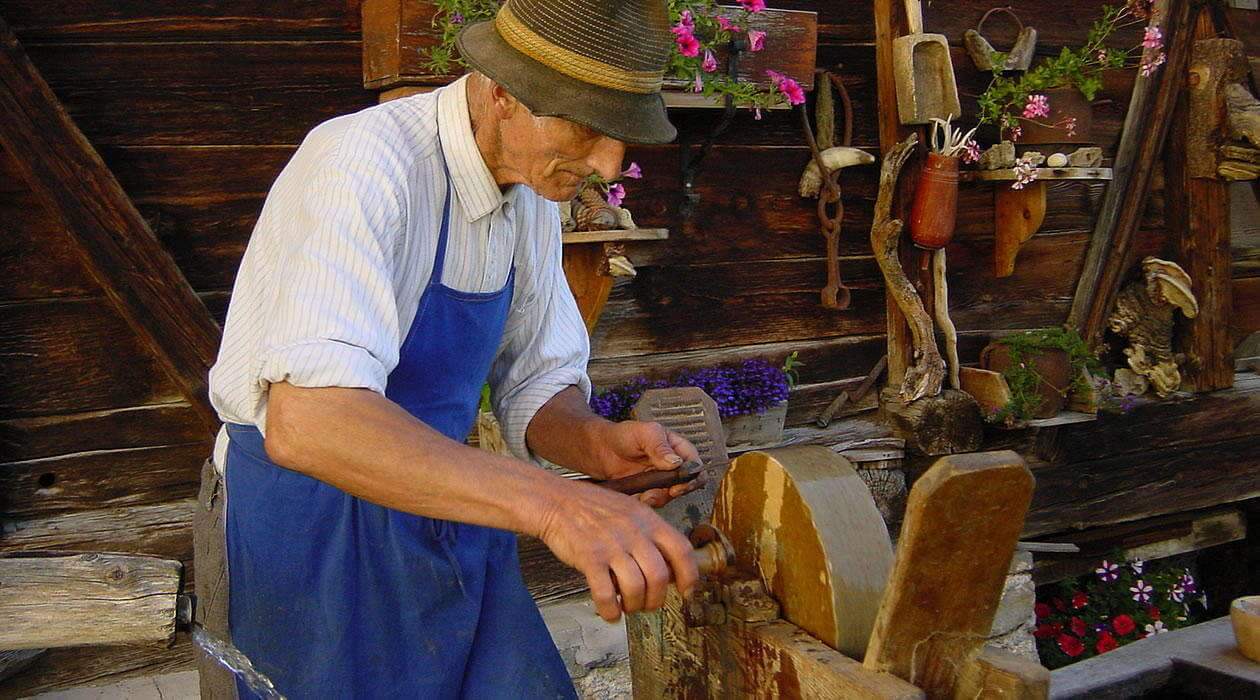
(934, 212)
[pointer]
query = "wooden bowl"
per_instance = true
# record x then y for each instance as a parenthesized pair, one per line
(1244, 614)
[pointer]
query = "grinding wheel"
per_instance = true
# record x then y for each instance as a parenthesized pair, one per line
(805, 522)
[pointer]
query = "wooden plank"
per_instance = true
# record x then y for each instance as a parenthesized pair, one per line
(40, 20)
(203, 92)
(54, 600)
(37, 259)
(938, 607)
(136, 426)
(66, 668)
(1150, 109)
(163, 529)
(117, 246)
(1044, 174)
(100, 479)
(635, 234)
(77, 341)
(997, 673)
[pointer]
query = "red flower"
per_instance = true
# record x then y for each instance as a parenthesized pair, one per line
(1042, 610)
(1080, 600)
(1078, 626)
(1059, 605)
(1123, 624)
(1153, 612)
(1071, 645)
(1046, 630)
(1106, 643)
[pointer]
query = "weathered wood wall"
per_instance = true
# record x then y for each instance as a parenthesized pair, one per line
(197, 106)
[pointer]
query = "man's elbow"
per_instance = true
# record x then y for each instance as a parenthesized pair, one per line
(286, 415)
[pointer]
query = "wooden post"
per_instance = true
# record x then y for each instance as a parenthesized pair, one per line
(55, 599)
(962, 521)
(115, 244)
(1145, 126)
(1197, 207)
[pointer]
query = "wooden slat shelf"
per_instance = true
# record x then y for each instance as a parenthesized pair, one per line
(691, 100)
(1008, 174)
(614, 235)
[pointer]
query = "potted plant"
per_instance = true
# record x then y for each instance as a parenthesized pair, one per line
(751, 397)
(1041, 368)
(1051, 102)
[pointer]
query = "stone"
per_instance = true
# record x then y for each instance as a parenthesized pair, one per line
(1087, 157)
(998, 156)
(1057, 160)
(1034, 157)
(1015, 619)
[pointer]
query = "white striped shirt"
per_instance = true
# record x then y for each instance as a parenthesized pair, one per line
(344, 247)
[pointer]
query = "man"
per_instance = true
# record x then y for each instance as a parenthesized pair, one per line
(406, 254)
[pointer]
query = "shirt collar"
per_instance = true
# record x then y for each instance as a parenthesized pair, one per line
(478, 193)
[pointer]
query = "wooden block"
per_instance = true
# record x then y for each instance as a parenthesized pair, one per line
(57, 600)
(997, 673)
(948, 423)
(963, 518)
(1018, 215)
(987, 387)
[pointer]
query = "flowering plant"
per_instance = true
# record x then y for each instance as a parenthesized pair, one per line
(613, 191)
(701, 28)
(1117, 604)
(1022, 377)
(1008, 98)
(752, 386)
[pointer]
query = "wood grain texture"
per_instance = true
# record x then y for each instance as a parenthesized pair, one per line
(74, 600)
(113, 241)
(120, 428)
(65, 668)
(962, 520)
(231, 20)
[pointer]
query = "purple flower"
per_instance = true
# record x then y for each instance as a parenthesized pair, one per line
(1187, 583)
(1141, 591)
(1128, 403)
(1137, 565)
(1108, 572)
(633, 172)
(756, 40)
(1177, 593)
(710, 63)
(616, 193)
(457, 18)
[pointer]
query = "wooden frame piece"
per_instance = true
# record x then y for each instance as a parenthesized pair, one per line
(113, 241)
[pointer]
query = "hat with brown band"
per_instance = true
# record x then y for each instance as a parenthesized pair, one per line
(599, 63)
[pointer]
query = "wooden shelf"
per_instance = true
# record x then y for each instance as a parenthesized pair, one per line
(691, 100)
(1008, 174)
(613, 235)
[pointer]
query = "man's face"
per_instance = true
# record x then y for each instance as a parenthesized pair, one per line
(555, 155)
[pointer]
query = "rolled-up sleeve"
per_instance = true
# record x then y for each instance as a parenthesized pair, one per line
(334, 319)
(545, 348)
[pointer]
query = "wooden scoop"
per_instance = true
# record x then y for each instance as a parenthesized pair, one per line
(924, 73)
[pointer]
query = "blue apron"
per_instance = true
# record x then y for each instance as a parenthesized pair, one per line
(335, 597)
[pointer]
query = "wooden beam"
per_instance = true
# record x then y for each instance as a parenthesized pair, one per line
(60, 600)
(1145, 126)
(114, 242)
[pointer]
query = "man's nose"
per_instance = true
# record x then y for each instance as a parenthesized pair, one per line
(606, 158)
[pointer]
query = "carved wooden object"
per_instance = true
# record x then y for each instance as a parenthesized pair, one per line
(59, 599)
(925, 73)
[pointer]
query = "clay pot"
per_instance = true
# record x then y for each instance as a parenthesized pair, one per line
(1051, 364)
(756, 430)
(1064, 102)
(933, 214)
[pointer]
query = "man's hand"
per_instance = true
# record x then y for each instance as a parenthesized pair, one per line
(621, 546)
(628, 448)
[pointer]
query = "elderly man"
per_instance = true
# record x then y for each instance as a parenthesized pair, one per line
(406, 255)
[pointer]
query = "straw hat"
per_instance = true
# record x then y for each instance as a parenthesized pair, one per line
(600, 63)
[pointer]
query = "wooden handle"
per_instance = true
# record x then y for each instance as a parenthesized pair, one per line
(914, 16)
(646, 481)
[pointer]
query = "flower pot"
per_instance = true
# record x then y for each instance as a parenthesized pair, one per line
(933, 214)
(756, 429)
(1065, 102)
(1051, 364)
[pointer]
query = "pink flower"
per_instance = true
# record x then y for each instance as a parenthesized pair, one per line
(1149, 64)
(698, 85)
(792, 91)
(1037, 106)
(757, 113)
(616, 193)
(753, 5)
(1025, 173)
(775, 76)
(1101, 55)
(756, 40)
(1016, 132)
(971, 153)
(1153, 38)
(688, 44)
(726, 25)
(686, 20)
(634, 171)
(710, 63)
(1070, 125)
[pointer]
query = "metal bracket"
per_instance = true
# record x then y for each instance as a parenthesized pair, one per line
(691, 162)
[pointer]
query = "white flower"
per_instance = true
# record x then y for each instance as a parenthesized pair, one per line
(1108, 571)
(1157, 628)
(1141, 591)
(1177, 593)
(1137, 565)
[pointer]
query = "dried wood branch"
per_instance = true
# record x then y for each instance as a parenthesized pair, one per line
(925, 375)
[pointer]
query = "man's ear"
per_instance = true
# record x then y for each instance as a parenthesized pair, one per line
(505, 105)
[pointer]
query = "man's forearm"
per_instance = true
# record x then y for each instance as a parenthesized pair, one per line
(368, 446)
(565, 431)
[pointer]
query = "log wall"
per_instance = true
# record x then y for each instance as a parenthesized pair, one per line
(197, 106)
